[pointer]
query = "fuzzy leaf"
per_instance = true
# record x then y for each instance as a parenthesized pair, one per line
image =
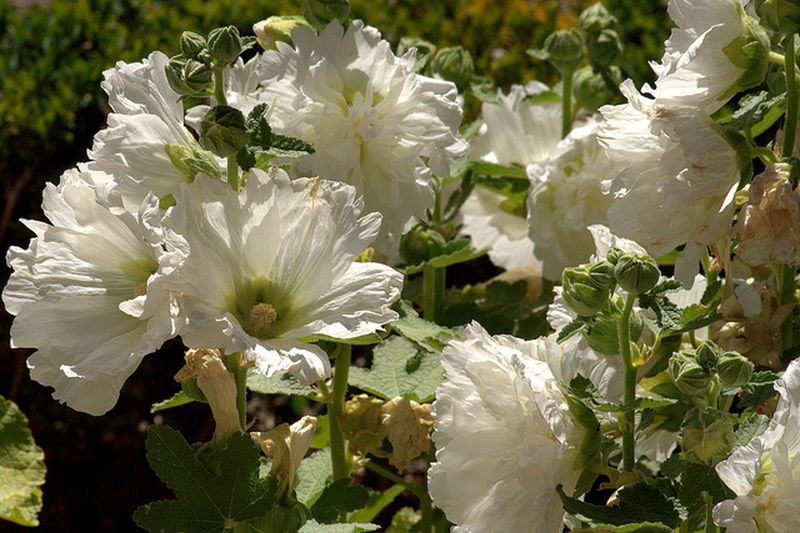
(667, 313)
(313, 474)
(312, 526)
(281, 383)
(215, 488)
(570, 329)
(751, 427)
(423, 332)
(455, 252)
(22, 468)
(176, 400)
(378, 501)
(637, 503)
(338, 497)
(399, 368)
(760, 389)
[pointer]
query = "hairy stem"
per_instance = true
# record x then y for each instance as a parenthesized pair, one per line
(433, 285)
(566, 103)
(233, 362)
(623, 329)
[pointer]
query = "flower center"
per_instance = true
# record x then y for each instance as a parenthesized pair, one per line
(262, 316)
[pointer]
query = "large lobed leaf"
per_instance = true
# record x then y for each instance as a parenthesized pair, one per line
(22, 469)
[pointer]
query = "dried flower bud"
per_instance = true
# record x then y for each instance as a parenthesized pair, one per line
(409, 425)
(286, 445)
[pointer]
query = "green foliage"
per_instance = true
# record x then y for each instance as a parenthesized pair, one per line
(22, 469)
(280, 383)
(215, 489)
(453, 253)
(338, 497)
(424, 333)
(377, 502)
(312, 526)
(176, 400)
(313, 474)
(400, 368)
(750, 428)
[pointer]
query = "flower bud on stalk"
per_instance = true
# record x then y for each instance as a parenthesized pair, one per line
(223, 131)
(187, 76)
(636, 273)
(589, 88)
(421, 244)
(225, 44)
(779, 15)
(596, 18)
(734, 369)
(582, 292)
(454, 64)
(217, 384)
(688, 375)
(564, 50)
(603, 335)
(192, 44)
(604, 48)
(707, 355)
(273, 29)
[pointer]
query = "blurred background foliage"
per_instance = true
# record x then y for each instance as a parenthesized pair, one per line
(52, 55)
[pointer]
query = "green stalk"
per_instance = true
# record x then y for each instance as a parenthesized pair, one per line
(335, 409)
(623, 329)
(233, 362)
(233, 173)
(786, 275)
(433, 285)
(709, 527)
(219, 85)
(566, 103)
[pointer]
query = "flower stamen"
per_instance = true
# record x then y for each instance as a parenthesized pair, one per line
(262, 316)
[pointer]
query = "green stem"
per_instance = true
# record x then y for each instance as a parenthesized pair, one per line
(233, 362)
(623, 329)
(426, 510)
(219, 86)
(416, 490)
(433, 285)
(778, 59)
(335, 409)
(709, 527)
(785, 276)
(791, 98)
(233, 173)
(566, 103)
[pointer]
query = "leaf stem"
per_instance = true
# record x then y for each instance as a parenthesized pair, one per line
(623, 330)
(341, 468)
(433, 285)
(233, 362)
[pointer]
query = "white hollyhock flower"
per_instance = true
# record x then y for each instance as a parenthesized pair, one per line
(148, 116)
(503, 434)
(679, 179)
(513, 133)
(88, 293)
(695, 70)
(568, 192)
(272, 266)
(374, 123)
(765, 473)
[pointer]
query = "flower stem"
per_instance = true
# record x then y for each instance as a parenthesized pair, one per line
(623, 329)
(416, 490)
(233, 362)
(219, 86)
(233, 173)
(566, 103)
(335, 409)
(433, 285)
(709, 527)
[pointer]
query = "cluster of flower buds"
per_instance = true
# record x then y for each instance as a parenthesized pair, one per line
(693, 371)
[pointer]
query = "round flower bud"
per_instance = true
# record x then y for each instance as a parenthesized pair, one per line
(604, 48)
(225, 44)
(602, 273)
(707, 435)
(192, 44)
(582, 293)
(779, 15)
(421, 244)
(596, 18)
(454, 64)
(734, 369)
(636, 273)
(751, 53)
(222, 131)
(277, 28)
(687, 374)
(707, 355)
(564, 49)
(187, 76)
(613, 255)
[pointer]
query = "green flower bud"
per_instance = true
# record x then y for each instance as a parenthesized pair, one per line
(321, 12)
(688, 375)
(582, 293)
(636, 273)
(223, 132)
(779, 15)
(734, 369)
(276, 28)
(707, 435)
(602, 273)
(596, 18)
(187, 76)
(589, 88)
(751, 53)
(225, 44)
(421, 244)
(604, 48)
(192, 44)
(707, 355)
(425, 51)
(564, 49)
(454, 64)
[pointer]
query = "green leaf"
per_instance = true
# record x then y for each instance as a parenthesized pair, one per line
(215, 487)
(280, 383)
(313, 474)
(667, 313)
(696, 479)
(312, 526)
(338, 497)
(322, 436)
(495, 170)
(751, 427)
(378, 501)
(284, 146)
(177, 399)
(642, 527)
(22, 468)
(636, 504)
(759, 390)
(400, 368)
(423, 332)
(757, 112)
(570, 329)
(455, 252)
